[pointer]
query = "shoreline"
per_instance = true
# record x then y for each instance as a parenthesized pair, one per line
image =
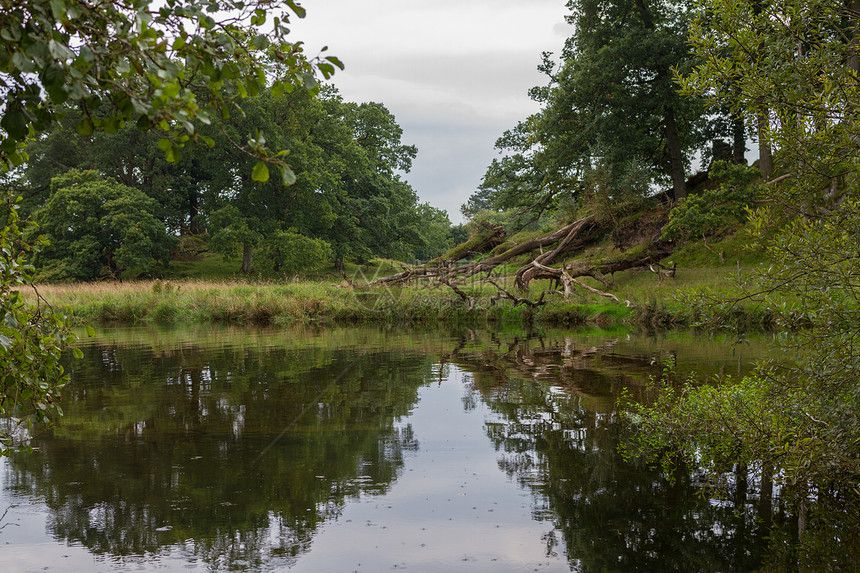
(273, 304)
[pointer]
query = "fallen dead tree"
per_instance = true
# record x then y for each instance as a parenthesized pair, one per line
(569, 237)
(566, 278)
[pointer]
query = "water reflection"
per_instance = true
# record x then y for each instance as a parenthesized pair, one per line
(246, 453)
(235, 450)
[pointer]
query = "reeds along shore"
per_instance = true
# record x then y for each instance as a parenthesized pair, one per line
(230, 302)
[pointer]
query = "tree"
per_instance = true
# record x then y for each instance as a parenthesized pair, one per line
(98, 228)
(165, 66)
(242, 210)
(611, 106)
(797, 61)
(286, 253)
(437, 232)
(130, 156)
(347, 191)
(619, 67)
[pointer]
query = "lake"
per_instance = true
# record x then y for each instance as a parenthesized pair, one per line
(368, 450)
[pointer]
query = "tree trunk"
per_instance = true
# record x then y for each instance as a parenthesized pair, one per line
(739, 142)
(679, 180)
(193, 211)
(854, 58)
(247, 259)
(574, 235)
(765, 154)
(673, 142)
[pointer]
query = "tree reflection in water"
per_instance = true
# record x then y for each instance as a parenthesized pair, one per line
(162, 449)
(236, 453)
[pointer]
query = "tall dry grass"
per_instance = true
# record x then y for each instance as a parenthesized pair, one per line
(238, 302)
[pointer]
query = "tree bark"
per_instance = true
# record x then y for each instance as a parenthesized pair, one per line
(739, 141)
(597, 271)
(193, 211)
(525, 274)
(673, 143)
(247, 258)
(765, 154)
(854, 58)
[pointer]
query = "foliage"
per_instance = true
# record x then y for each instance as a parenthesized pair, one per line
(347, 191)
(168, 67)
(611, 122)
(611, 192)
(347, 159)
(286, 253)
(706, 214)
(795, 63)
(98, 228)
(164, 66)
(31, 341)
(436, 230)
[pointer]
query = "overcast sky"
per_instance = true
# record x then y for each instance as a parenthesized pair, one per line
(455, 73)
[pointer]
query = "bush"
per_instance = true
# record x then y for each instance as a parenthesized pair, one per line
(705, 215)
(287, 252)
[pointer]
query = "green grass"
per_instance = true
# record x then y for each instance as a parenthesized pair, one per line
(210, 289)
(319, 302)
(207, 267)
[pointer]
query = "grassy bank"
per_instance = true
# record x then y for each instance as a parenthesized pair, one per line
(237, 302)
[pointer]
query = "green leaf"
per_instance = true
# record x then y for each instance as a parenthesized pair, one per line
(54, 80)
(78, 353)
(260, 172)
(335, 61)
(260, 42)
(300, 12)
(58, 9)
(15, 122)
(91, 331)
(171, 90)
(287, 175)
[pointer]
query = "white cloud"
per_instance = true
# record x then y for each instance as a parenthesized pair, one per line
(455, 73)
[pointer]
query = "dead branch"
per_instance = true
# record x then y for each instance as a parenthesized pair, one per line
(574, 230)
(506, 294)
(778, 179)
(568, 282)
(663, 271)
(598, 271)
(468, 299)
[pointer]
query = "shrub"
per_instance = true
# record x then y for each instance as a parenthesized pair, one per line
(287, 252)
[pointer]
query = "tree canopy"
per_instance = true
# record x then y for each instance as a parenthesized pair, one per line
(98, 228)
(793, 65)
(348, 159)
(612, 120)
(168, 66)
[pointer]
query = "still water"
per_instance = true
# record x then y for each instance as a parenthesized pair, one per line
(364, 450)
